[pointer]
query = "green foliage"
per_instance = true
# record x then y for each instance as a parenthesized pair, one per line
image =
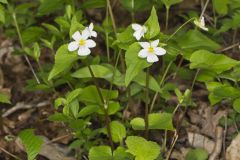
(169, 3)
(161, 121)
(236, 105)
(31, 143)
(118, 131)
(4, 98)
(4, 1)
(47, 7)
(93, 4)
(104, 152)
(63, 61)
(153, 28)
(2, 14)
(134, 64)
(32, 34)
(221, 7)
(218, 63)
(142, 149)
(197, 154)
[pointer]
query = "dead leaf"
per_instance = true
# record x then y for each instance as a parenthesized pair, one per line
(233, 151)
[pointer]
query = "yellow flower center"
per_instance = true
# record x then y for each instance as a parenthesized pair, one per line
(82, 42)
(150, 49)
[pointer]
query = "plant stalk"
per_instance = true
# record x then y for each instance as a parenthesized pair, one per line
(22, 45)
(146, 105)
(107, 118)
(161, 82)
(167, 17)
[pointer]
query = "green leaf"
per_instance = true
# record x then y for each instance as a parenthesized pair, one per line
(123, 39)
(99, 71)
(47, 7)
(141, 80)
(121, 154)
(156, 121)
(93, 4)
(194, 39)
(203, 59)
(197, 154)
(58, 117)
(118, 131)
(73, 95)
(134, 64)
(169, 3)
(53, 30)
(4, 1)
(139, 5)
(2, 14)
(4, 98)
(63, 61)
(75, 26)
(90, 95)
(32, 34)
(100, 153)
(36, 51)
(142, 149)
(236, 105)
(152, 24)
(221, 7)
(31, 143)
(113, 107)
(89, 109)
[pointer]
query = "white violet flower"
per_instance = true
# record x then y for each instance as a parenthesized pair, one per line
(82, 43)
(139, 31)
(151, 51)
(201, 23)
(90, 31)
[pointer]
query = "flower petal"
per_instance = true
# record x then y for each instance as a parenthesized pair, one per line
(143, 53)
(155, 43)
(151, 58)
(84, 51)
(91, 26)
(144, 45)
(137, 35)
(94, 34)
(76, 36)
(73, 46)
(160, 51)
(90, 43)
(136, 27)
(85, 33)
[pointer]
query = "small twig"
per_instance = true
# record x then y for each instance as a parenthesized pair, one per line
(10, 154)
(218, 144)
(229, 47)
(58, 138)
(22, 105)
(22, 45)
(172, 145)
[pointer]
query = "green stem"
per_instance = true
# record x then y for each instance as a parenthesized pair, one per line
(167, 17)
(113, 76)
(103, 107)
(132, 12)
(204, 9)
(194, 79)
(172, 35)
(22, 45)
(146, 104)
(112, 16)
(161, 82)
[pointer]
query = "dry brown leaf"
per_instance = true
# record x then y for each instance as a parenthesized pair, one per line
(233, 151)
